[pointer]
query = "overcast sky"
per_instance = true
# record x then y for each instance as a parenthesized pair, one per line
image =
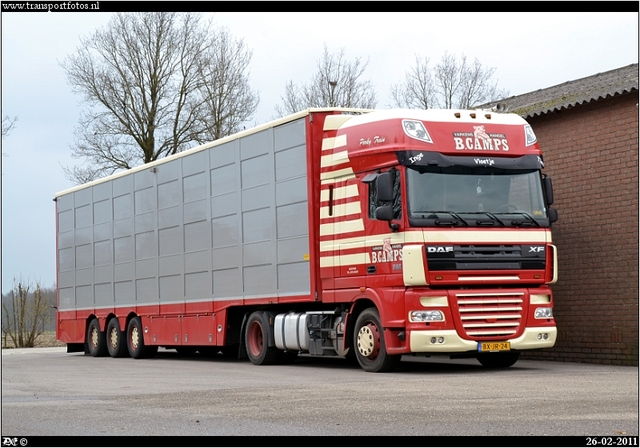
(529, 51)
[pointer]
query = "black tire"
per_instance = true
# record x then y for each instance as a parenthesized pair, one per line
(135, 341)
(351, 357)
(256, 340)
(498, 360)
(369, 345)
(96, 341)
(115, 339)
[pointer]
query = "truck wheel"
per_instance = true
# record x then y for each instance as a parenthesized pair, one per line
(498, 360)
(135, 341)
(369, 343)
(96, 341)
(116, 344)
(256, 339)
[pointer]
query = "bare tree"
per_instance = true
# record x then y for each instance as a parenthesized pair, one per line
(26, 314)
(418, 90)
(477, 86)
(336, 83)
(228, 98)
(8, 124)
(145, 79)
(453, 83)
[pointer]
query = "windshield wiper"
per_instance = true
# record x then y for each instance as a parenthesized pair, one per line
(484, 222)
(531, 220)
(492, 216)
(457, 217)
(442, 222)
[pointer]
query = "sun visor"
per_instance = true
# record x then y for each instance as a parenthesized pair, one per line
(437, 160)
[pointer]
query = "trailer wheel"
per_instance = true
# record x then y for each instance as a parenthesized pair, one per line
(135, 341)
(369, 343)
(96, 341)
(498, 360)
(116, 344)
(257, 338)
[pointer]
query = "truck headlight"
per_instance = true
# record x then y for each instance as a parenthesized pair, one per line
(543, 313)
(426, 316)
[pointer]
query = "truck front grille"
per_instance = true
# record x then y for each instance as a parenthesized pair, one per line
(485, 257)
(490, 316)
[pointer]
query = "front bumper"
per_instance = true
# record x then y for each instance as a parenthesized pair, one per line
(428, 341)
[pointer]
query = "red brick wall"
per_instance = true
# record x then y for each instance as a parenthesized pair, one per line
(591, 154)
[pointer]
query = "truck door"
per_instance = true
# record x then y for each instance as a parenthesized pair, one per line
(350, 270)
(383, 240)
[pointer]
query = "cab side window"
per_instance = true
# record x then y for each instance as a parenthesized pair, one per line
(375, 202)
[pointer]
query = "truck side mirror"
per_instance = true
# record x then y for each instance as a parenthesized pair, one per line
(553, 215)
(384, 194)
(384, 184)
(385, 213)
(548, 190)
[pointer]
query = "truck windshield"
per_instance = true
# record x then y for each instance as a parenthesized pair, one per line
(458, 196)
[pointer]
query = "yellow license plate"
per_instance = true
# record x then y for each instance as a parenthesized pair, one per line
(494, 346)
